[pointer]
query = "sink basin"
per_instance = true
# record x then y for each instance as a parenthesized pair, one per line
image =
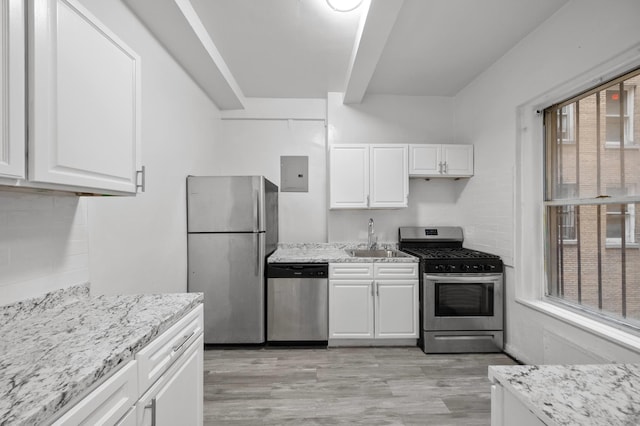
(376, 253)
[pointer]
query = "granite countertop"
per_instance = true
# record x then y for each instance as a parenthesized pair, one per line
(331, 253)
(607, 394)
(53, 349)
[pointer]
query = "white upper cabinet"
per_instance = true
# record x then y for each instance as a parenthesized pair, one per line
(84, 92)
(368, 176)
(12, 77)
(389, 181)
(349, 176)
(426, 160)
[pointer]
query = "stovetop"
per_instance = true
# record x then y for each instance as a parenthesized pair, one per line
(448, 253)
(440, 250)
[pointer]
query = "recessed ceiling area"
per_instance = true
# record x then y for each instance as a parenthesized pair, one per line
(304, 49)
(437, 47)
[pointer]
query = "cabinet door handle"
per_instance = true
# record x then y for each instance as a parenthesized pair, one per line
(440, 167)
(152, 405)
(372, 291)
(368, 201)
(377, 289)
(446, 167)
(142, 173)
(184, 340)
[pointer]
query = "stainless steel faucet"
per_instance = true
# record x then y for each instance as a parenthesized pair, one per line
(371, 236)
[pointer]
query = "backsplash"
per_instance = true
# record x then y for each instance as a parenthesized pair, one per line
(43, 244)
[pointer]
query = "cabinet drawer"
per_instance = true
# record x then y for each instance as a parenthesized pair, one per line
(346, 271)
(395, 270)
(108, 402)
(158, 356)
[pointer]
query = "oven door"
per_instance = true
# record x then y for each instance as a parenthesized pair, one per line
(462, 302)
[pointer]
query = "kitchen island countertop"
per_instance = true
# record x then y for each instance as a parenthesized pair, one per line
(602, 394)
(331, 253)
(56, 348)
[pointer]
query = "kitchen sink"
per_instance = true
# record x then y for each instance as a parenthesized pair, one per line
(376, 253)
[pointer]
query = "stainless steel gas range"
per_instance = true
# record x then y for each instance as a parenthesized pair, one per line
(461, 292)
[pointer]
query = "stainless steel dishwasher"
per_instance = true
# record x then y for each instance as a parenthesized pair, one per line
(297, 302)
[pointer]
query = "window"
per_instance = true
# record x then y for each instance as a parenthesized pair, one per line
(621, 219)
(567, 220)
(566, 124)
(619, 122)
(593, 256)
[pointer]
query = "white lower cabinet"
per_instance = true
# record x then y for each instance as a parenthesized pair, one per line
(351, 309)
(129, 419)
(373, 301)
(396, 309)
(108, 403)
(162, 386)
(176, 398)
(506, 409)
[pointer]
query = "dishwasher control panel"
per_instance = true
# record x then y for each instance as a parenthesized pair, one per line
(297, 270)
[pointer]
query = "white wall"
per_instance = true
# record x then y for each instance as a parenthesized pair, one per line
(251, 143)
(120, 244)
(570, 45)
(138, 244)
(395, 119)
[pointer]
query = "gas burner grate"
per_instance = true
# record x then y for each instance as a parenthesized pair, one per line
(450, 253)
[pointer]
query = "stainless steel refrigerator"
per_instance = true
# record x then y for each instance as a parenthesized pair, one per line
(232, 226)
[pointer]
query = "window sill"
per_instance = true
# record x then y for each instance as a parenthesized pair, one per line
(616, 145)
(597, 328)
(619, 246)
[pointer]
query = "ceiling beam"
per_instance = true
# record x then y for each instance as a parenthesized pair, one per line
(378, 18)
(177, 26)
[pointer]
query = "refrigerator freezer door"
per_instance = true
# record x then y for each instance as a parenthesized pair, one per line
(225, 204)
(229, 270)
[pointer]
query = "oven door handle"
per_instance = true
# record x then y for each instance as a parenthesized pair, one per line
(466, 278)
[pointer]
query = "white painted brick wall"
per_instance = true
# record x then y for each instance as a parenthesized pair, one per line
(43, 244)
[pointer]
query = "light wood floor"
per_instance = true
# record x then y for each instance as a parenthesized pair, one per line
(359, 386)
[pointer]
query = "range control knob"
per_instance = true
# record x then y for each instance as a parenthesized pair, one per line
(465, 267)
(439, 267)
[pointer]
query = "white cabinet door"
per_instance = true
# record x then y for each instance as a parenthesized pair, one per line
(425, 160)
(12, 89)
(84, 93)
(180, 402)
(396, 309)
(350, 309)
(457, 160)
(349, 176)
(389, 181)
(176, 398)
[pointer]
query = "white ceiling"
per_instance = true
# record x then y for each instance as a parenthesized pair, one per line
(304, 49)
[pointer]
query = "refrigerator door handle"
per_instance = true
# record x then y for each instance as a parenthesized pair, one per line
(258, 255)
(256, 213)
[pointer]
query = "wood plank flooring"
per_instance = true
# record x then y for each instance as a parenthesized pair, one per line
(357, 386)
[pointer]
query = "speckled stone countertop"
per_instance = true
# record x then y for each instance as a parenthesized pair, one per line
(54, 348)
(607, 394)
(331, 253)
